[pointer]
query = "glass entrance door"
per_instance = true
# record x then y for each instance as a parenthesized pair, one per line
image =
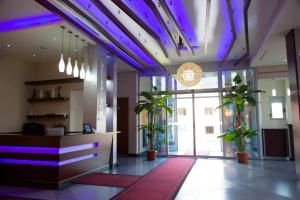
(180, 131)
(195, 133)
(208, 125)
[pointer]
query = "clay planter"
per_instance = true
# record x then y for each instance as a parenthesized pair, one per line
(151, 155)
(242, 157)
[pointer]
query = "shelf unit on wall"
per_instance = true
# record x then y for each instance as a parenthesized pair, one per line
(56, 99)
(54, 81)
(49, 110)
(46, 117)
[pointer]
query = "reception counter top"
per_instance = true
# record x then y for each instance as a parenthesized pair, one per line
(52, 160)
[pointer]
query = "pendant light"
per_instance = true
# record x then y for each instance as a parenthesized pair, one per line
(76, 70)
(82, 71)
(69, 65)
(88, 74)
(61, 64)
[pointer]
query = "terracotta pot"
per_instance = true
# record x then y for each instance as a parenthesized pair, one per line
(151, 155)
(242, 157)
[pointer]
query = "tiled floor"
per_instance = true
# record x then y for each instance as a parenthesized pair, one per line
(210, 179)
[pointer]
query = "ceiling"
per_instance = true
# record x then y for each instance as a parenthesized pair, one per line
(271, 50)
(145, 33)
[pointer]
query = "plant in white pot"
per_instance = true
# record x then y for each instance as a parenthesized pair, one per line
(153, 104)
(239, 95)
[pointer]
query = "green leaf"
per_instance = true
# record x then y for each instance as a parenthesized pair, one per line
(242, 89)
(168, 109)
(147, 96)
(227, 103)
(138, 108)
(160, 129)
(141, 127)
(237, 79)
(239, 101)
(249, 133)
(229, 137)
(251, 100)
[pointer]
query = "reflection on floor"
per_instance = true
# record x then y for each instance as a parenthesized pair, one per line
(210, 179)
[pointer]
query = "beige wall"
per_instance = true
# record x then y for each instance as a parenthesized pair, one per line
(14, 93)
(128, 87)
(45, 71)
(281, 85)
(13, 106)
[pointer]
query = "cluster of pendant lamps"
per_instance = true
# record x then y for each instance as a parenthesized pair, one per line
(83, 73)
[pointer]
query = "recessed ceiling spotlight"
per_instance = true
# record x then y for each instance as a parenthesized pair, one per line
(33, 55)
(8, 45)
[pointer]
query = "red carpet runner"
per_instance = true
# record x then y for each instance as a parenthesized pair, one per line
(162, 183)
(112, 180)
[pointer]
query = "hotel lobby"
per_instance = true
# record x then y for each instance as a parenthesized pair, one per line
(149, 99)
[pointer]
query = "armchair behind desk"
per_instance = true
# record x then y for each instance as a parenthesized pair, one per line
(52, 160)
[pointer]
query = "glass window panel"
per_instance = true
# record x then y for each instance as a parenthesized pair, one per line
(277, 110)
(208, 80)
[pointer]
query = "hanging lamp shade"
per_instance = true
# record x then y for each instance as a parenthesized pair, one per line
(82, 71)
(76, 69)
(69, 65)
(189, 74)
(88, 74)
(61, 64)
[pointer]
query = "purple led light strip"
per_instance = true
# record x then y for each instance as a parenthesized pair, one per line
(46, 150)
(44, 162)
(29, 22)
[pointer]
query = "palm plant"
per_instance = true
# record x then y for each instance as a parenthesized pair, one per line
(153, 104)
(239, 95)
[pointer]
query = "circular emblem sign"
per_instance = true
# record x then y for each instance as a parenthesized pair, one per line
(189, 74)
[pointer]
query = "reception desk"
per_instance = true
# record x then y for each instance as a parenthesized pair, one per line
(52, 160)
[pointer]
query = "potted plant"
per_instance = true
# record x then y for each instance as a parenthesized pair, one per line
(239, 95)
(153, 104)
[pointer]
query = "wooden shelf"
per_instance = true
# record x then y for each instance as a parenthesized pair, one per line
(56, 99)
(55, 81)
(46, 116)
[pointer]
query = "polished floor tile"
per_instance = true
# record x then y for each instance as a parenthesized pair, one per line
(209, 179)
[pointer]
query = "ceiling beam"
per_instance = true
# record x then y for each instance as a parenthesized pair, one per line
(171, 17)
(162, 23)
(125, 30)
(229, 9)
(141, 23)
(246, 55)
(76, 24)
(103, 31)
(207, 19)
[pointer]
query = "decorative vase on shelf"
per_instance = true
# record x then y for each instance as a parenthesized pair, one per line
(41, 93)
(53, 93)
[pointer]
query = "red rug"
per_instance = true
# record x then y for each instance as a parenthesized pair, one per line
(112, 180)
(162, 183)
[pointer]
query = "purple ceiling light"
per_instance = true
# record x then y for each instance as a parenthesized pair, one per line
(134, 63)
(177, 8)
(115, 31)
(145, 14)
(226, 34)
(29, 22)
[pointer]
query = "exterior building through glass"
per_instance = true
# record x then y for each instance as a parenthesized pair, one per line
(195, 122)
